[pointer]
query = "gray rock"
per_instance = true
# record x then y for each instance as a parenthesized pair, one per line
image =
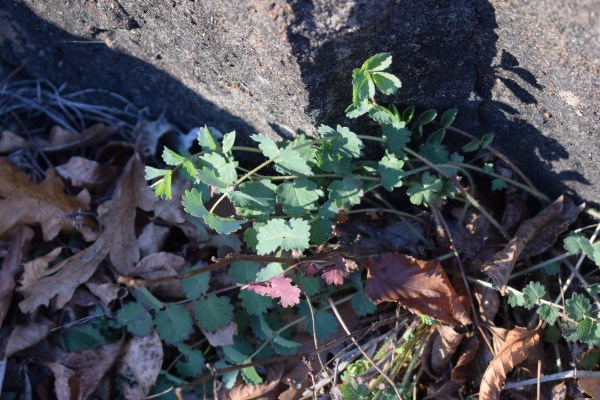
(527, 71)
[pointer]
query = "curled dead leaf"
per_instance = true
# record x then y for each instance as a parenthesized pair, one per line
(24, 336)
(420, 286)
(24, 202)
(444, 346)
(489, 302)
(70, 273)
(533, 237)
(117, 216)
(159, 265)
(87, 174)
(519, 346)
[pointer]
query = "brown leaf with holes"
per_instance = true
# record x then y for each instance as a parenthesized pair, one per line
(142, 360)
(117, 216)
(533, 237)
(420, 286)
(24, 336)
(66, 277)
(88, 174)
(78, 374)
(24, 202)
(519, 346)
(10, 265)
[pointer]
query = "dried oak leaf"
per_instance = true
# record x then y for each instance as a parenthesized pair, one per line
(142, 360)
(88, 174)
(519, 345)
(78, 374)
(420, 286)
(24, 336)
(533, 237)
(10, 266)
(117, 216)
(24, 202)
(67, 276)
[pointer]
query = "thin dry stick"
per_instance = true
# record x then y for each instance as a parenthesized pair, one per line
(442, 222)
(539, 376)
(365, 355)
(577, 266)
(575, 374)
(312, 319)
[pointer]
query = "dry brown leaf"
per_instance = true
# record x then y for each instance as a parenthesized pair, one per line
(69, 274)
(468, 352)
(533, 237)
(24, 202)
(420, 286)
(489, 302)
(35, 269)
(591, 386)
(519, 346)
(152, 239)
(10, 266)
(444, 391)
(61, 139)
(24, 336)
(159, 265)
(62, 376)
(263, 391)
(444, 347)
(223, 336)
(142, 360)
(559, 391)
(515, 210)
(117, 216)
(106, 292)
(10, 142)
(88, 174)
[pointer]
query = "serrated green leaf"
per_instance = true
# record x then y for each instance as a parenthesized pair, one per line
(426, 191)
(576, 243)
(331, 161)
(136, 319)
(594, 289)
(356, 110)
(343, 140)
(533, 292)
(396, 138)
(291, 162)
(552, 269)
(279, 233)
(426, 117)
(448, 117)
(151, 173)
(162, 187)
(363, 87)
(173, 324)
(378, 62)
(254, 303)
(346, 192)
(298, 196)
(382, 115)
(436, 153)
(206, 140)
(255, 199)
(84, 337)
(320, 230)
(250, 375)
(250, 236)
(310, 284)
(209, 177)
(390, 170)
(386, 82)
(196, 285)
(516, 299)
(578, 307)
(362, 305)
(548, 313)
(243, 272)
(486, 140)
(585, 330)
(228, 141)
(267, 145)
(325, 324)
(213, 312)
(224, 170)
(190, 170)
(192, 204)
(499, 184)
(171, 158)
(269, 271)
(191, 365)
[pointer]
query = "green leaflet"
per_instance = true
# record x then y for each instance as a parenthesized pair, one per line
(386, 82)
(213, 312)
(279, 233)
(192, 204)
(136, 318)
(206, 140)
(287, 160)
(346, 192)
(390, 170)
(173, 324)
(255, 199)
(298, 196)
(378, 62)
(343, 140)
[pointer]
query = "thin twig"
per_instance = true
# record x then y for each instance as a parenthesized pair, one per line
(574, 374)
(365, 355)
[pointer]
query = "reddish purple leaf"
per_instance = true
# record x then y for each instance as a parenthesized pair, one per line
(335, 274)
(277, 286)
